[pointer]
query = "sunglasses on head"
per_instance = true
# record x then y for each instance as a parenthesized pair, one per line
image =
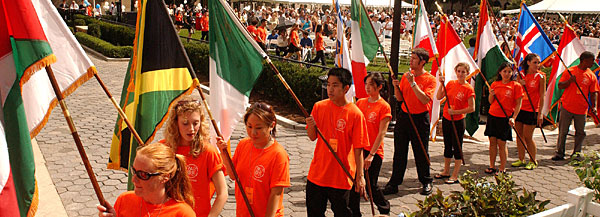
(143, 175)
(183, 102)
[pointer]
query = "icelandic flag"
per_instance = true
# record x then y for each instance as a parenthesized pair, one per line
(531, 38)
(342, 56)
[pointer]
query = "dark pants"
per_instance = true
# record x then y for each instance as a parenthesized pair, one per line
(320, 56)
(404, 133)
(451, 148)
(379, 200)
(204, 36)
(282, 50)
(564, 122)
(316, 201)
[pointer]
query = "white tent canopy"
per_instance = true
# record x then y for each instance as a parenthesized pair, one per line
(562, 6)
(368, 3)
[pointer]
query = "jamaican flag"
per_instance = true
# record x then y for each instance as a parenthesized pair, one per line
(158, 74)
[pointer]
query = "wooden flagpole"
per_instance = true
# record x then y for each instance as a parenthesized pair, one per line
(71, 124)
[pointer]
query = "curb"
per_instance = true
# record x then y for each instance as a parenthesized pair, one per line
(102, 57)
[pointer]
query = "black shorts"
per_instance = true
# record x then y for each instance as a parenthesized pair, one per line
(293, 49)
(527, 117)
(499, 128)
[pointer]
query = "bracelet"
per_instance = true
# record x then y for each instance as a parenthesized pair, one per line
(372, 154)
(413, 84)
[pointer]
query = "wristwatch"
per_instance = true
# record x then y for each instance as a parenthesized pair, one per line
(413, 84)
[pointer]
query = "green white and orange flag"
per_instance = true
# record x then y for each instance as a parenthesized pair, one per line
(158, 75)
(30, 30)
(235, 64)
(364, 46)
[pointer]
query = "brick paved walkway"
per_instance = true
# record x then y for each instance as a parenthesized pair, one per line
(95, 117)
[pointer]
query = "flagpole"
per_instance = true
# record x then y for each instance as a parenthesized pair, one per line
(71, 124)
(196, 83)
(571, 74)
(505, 114)
(514, 66)
(437, 61)
(370, 191)
(119, 110)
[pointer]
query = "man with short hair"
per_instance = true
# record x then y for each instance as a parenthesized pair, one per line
(415, 91)
(574, 107)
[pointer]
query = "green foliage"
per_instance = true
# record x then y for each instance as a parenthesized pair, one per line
(198, 54)
(515, 4)
(80, 22)
(118, 35)
(588, 171)
(94, 30)
(481, 197)
(107, 49)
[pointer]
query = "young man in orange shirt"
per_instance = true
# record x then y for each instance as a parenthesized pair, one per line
(574, 106)
(415, 91)
(345, 128)
(261, 34)
(204, 25)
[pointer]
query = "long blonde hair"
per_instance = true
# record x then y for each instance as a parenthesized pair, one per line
(167, 162)
(187, 105)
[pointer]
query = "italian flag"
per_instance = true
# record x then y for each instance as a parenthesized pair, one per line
(422, 36)
(235, 65)
(489, 57)
(364, 46)
(30, 30)
(452, 51)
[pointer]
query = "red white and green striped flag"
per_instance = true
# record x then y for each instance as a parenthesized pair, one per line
(364, 46)
(29, 32)
(422, 36)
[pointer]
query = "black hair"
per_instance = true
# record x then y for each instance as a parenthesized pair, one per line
(254, 21)
(421, 53)
(586, 55)
(472, 42)
(502, 67)
(342, 74)
(527, 58)
(379, 80)
(263, 20)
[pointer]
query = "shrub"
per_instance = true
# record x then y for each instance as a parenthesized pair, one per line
(80, 22)
(115, 34)
(107, 49)
(588, 171)
(94, 30)
(482, 198)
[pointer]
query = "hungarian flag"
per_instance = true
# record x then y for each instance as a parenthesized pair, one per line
(235, 64)
(569, 49)
(489, 57)
(422, 36)
(30, 30)
(342, 56)
(452, 51)
(158, 74)
(364, 46)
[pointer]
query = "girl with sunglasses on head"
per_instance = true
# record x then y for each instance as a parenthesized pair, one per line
(261, 163)
(187, 133)
(162, 187)
(510, 94)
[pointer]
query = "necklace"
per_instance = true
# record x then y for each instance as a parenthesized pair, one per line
(150, 213)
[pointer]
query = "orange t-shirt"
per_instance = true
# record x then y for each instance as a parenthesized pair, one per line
(346, 129)
(427, 83)
(458, 95)
(507, 94)
(294, 38)
(200, 171)
(374, 113)
(129, 204)
(571, 98)
(319, 44)
(252, 30)
(260, 170)
(532, 86)
(261, 32)
(204, 23)
(179, 17)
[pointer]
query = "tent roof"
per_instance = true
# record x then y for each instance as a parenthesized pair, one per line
(368, 3)
(562, 6)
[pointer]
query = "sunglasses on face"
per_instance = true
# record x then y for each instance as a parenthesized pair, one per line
(143, 175)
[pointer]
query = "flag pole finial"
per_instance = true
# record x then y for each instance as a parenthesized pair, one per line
(440, 8)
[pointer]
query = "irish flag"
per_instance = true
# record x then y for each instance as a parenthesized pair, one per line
(489, 57)
(569, 49)
(422, 36)
(30, 30)
(452, 51)
(235, 65)
(364, 46)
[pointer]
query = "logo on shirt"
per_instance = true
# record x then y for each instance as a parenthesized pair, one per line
(340, 125)
(460, 96)
(531, 84)
(508, 93)
(585, 81)
(192, 170)
(372, 118)
(259, 172)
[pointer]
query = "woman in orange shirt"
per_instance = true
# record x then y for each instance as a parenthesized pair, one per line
(294, 46)
(530, 116)
(187, 133)
(461, 101)
(262, 164)
(498, 128)
(319, 46)
(162, 187)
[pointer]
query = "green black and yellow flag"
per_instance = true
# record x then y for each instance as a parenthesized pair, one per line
(157, 76)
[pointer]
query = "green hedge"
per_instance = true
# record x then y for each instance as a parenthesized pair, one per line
(107, 49)
(80, 22)
(115, 34)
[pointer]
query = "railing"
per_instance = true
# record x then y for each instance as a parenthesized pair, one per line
(579, 204)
